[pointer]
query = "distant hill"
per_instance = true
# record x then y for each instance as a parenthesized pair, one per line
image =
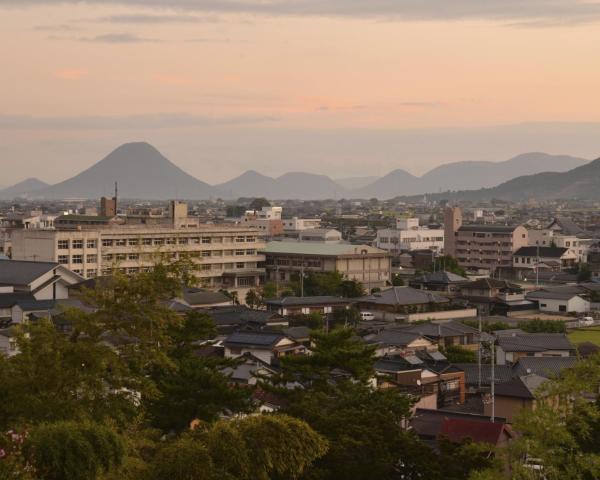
(353, 183)
(23, 189)
(397, 182)
(141, 171)
(466, 175)
(293, 185)
(472, 175)
(581, 182)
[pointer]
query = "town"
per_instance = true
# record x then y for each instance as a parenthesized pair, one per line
(473, 316)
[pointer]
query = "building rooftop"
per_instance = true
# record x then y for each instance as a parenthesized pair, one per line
(314, 300)
(544, 252)
(488, 228)
(548, 367)
(535, 342)
(403, 296)
(320, 249)
(21, 272)
(254, 339)
(524, 386)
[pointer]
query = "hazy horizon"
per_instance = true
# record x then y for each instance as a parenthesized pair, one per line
(341, 88)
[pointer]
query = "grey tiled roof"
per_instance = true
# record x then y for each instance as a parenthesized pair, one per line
(392, 337)
(17, 272)
(488, 228)
(314, 300)
(8, 300)
(543, 366)
(524, 386)
(535, 342)
(403, 296)
(444, 329)
(544, 252)
(502, 373)
(256, 339)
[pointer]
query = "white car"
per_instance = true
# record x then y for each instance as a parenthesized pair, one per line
(586, 321)
(366, 316)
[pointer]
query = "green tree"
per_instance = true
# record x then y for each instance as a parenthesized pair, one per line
(397, 281)
(185, 458)
(584, 273)
(60, 378)
(339, 349)
(196, 326)
(194, 389)
(457, 461)
(265, 447)
(253, 299)
(269, 290)
(447, 263)
(72, 450)
(259, 203)
(458, 354)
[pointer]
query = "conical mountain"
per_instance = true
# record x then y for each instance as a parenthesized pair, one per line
(249, 184)
(23, 189)
(396, 183)
(141, 172)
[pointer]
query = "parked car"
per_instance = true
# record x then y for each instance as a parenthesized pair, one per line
(366, 316)
(586, 321)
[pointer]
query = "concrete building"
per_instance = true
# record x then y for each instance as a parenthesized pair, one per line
(363, 263)
(481, 246)
(293, 226)
(226, 256)
(326, 235)
(267, 220)
(409, 236)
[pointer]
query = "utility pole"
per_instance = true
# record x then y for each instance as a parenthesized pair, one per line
(302, 279)
(537, 267)
(493, 383)
(479, 353)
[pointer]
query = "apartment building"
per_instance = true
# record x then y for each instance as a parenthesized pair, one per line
(563, 233)
(409, 236)
(482, 246)
(293, 226)
(369, 265)
(226, 256)
(267, 220)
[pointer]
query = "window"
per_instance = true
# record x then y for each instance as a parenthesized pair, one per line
(120, 256)
(92, 244)
(206, 239)
(562, 308)
(107, 242)
(240, 265)
(133, 256)
(171, 241)
(206, 253)
(91, 273)
(250, 239)
(183, 241)
(121, 242)
(543, 305)
(63, 244)
(205, 267)
(159, 241)
(240, 252)
(91, 258)
(195, 240)
(240, 239)
(132, 270)
(250, 252)
(77, 244)
(133, 242)
(63, 259)
(77, 259)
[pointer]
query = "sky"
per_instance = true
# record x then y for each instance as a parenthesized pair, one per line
(338, 87)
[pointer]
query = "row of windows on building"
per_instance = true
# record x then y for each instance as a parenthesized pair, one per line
(215, 267)
(76, 244)
(410, 239)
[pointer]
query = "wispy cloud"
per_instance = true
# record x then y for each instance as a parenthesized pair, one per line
(71, 73)
(55, 28)
(131, 122)
(571, 11)
(144, 18)
(118, 38)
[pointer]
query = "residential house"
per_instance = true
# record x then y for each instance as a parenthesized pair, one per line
(445, 334)
(43, 280)
(231, 318)
(445, 282)
(392, 341)
(511, 348)
(396, 302)
(324, 304)
(550, 258)
(269, 347)
(458, 430)
(511, 398)
(8, 342)
(560, 300)
(496, 297)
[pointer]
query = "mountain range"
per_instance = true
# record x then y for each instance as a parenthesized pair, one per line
(143, 172)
